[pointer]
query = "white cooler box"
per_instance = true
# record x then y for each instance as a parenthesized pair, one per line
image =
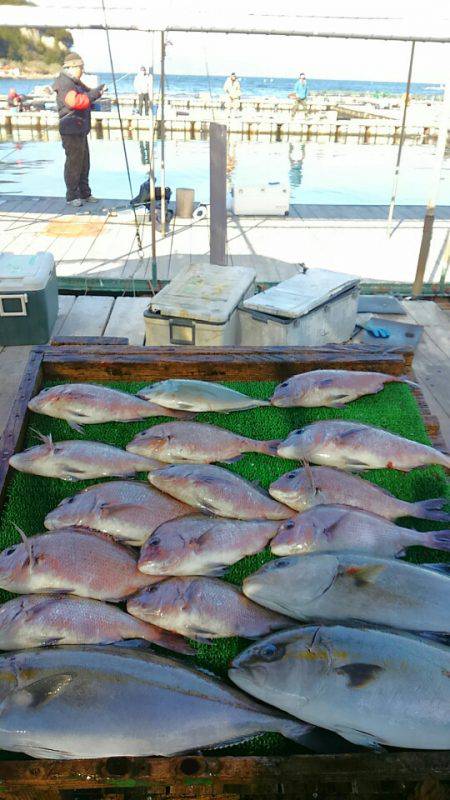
(28, 298)
(199, 306)
(310, 309)
(269, 199)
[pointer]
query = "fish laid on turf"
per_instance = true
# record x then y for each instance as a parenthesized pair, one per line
(354, 446)
(128, 510)
(199, 545)
(372, 687)
(177, 442)
(344, 587)
(73, 561)
(40, 620)
(194, 396)
(79, 460)
(330, 387)
(96, 702)
(310, 486)
(218, 491)
(346, 529)
(86, 403)
(204, 608)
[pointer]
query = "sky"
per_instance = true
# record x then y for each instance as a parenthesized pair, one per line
(275, 56)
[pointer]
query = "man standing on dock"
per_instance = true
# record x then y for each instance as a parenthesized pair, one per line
(74, 100)
(299, 95)
(232, 89)
(143, 88)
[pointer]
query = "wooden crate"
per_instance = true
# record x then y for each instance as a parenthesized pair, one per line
(403, 775)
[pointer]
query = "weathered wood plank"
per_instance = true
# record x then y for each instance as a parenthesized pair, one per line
(432, 368)
(426, 312)
(87, 317)
(88, 341)
(65, 304)
(127, 319)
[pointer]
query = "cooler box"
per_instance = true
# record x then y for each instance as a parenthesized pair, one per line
(199, 306)
(102, 104)
(28, 298)
(310, 309)
(270, 199)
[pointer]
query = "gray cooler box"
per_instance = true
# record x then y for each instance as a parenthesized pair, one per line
(28, 298)
(313, 308)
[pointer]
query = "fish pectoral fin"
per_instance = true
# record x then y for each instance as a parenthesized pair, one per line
(208, 508)
(354, 463)
(359, 674)
(230, 460)
(41, 691)
(441, 569)
(71, 473)
(200, 635)
(348, 434)
(215, 571)
(76, 427)
(363, 575)
(433, 636)
(111, 509)
(360, 737)
(52, 641)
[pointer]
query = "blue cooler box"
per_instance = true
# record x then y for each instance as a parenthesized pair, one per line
(28, 298)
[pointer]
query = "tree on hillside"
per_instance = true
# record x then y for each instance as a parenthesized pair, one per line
(46, 45)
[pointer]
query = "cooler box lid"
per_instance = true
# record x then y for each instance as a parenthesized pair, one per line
(205, 292)
(299, 295)
(25, 273)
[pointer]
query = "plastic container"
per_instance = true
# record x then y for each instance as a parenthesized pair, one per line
(199, 306)
(266, 199)
(313, 308)
(28, 298)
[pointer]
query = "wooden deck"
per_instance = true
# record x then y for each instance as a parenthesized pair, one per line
(104, 316)
(100, 244)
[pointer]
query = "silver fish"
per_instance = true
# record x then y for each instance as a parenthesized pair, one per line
(96, 702)
(204, 608)
(41, 620)
(79, 460)
(189, 395)
(128, 510)
(199, 545)
(354, 446)
(87, 403)
(347, 529)
(343, 587)
(73, 561)
(310, 486)
(217, 491)
(196, 442)
(331, 387)
(372, 687)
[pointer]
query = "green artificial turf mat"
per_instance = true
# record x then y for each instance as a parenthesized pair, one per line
(29, 497)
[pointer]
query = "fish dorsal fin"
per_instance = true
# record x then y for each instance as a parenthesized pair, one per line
(362, 575)
(441, 569)
(40, 692)
(28, 544)
(47, 440)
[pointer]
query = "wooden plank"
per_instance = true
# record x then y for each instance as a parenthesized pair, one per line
(65, 304)
(426, 312)
(218, 192)
(88, 316)
(431, 367)
(88, 341)
(209, 363)
(127, 319)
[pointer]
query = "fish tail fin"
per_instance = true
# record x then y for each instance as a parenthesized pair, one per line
(432, 509)
(439, 540)
(294, 729)
(171, 641)
(404, 379)
(269, 448)
(444, 459)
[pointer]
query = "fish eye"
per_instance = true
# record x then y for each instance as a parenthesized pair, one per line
(154, 542)
(10, 550)
(298, 431)
(290, 476)
(284, 384)
(281, 563)
(289, 524)
(272, 652)
(152, 589)
(70, 500)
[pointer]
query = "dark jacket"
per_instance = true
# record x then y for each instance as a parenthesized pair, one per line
(73, 100)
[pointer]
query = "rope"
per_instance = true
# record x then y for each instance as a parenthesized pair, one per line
(113, 73)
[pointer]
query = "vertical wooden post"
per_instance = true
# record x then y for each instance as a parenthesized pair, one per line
(163, 135)
(218, 193)
(151, 174)
(428, 222)
(402, 139)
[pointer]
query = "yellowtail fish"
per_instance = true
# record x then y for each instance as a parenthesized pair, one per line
(194, 396)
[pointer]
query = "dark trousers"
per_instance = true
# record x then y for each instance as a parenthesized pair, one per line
(76, 168)
(143, 101)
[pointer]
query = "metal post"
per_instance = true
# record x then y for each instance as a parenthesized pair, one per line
(218, 193)
(152, 173)
(402, 139)
(163, 136)
(431, 205)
